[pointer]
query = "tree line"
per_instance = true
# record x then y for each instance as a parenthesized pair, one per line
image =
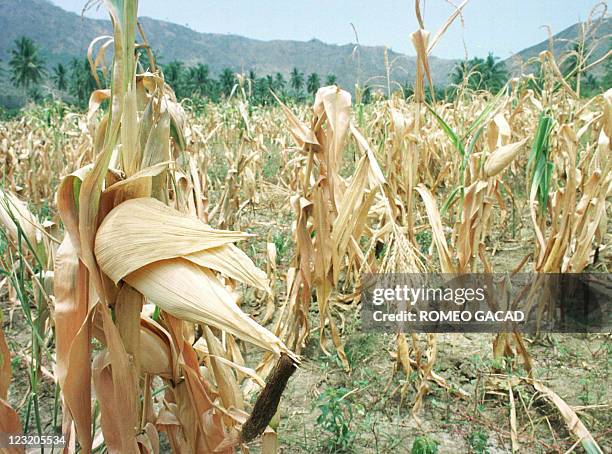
(197, 81)
(28, 70)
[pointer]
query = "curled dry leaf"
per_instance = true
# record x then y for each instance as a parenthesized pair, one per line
(232, 262)
(435, 221)
(72, 338)
(144, 230)
(501, 158)
(157, 353)
(190, 292)
(300, 132)
(575, 426)
(9, 423)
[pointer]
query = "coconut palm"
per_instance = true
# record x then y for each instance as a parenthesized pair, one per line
(481, 74)
(296, 79)
(60, 77)
(461, 72)
(330, 79)
(81, 82)
(227, 79)
(494, 73)
(27, 66)
(313, 83)
(279, 82)
(262, 87)
(199, 80)
(173, 75)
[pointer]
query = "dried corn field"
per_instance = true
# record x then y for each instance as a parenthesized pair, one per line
(179, 279)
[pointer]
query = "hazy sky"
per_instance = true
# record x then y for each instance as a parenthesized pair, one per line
(500, 26)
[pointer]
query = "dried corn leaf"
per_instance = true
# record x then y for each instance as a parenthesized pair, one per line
(142, 231)
(501, 158)
(575, 426)
(302, 134)
(68, 202)
(190, 292)
(158, 355)
(232, 262)
(124, 384)
(96, 99)
(230, 392)
(9, 423)
(72, 333)
(138, 177)
(5, 365)
(107, 401)
(157, 147)
(435, 221)
(336, 104)
(15, 217)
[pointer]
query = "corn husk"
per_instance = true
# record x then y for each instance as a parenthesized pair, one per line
(501, 158)
(141, 231)
(190, 292)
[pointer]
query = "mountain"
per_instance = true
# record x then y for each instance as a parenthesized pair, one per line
(597, 36)
(63, 35)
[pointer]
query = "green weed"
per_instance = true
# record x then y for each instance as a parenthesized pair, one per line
(336, 418)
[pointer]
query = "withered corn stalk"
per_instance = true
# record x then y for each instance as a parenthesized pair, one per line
(406, 166)
(124, 248)
(330, 216)
(9, 420)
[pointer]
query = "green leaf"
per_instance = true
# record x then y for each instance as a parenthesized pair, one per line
(454, 138)
(449, 200)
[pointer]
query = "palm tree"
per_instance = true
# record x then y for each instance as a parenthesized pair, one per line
(279, 82)
(60, 77)
(227, 80)
(296, 79)
(27, 66)
(262, 89)
(81, 82)
(481, 74)
(199, 80)
(469, 71)
(460, 72)
(494, 73)
(330, 79)
(313, 83)
(173, 75)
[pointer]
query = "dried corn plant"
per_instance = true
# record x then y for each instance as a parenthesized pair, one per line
(330, 216)
(125, 247)
(568, 198)
(406, 166)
